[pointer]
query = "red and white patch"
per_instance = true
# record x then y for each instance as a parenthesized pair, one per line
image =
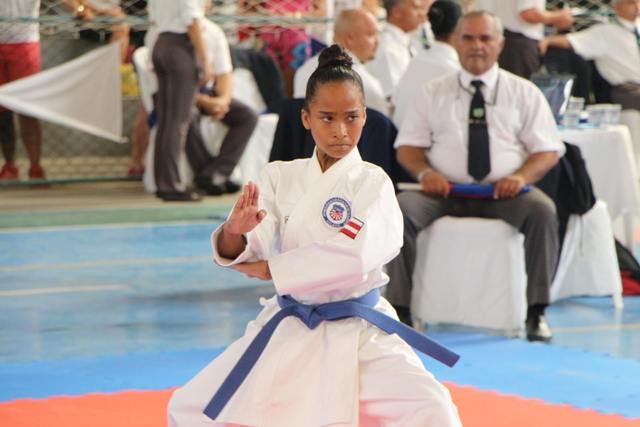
(352, 227)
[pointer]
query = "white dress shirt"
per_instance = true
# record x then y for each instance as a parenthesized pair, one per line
(373, 93)
(19, 32)
(392, 57)
(509, 13)
(439, 60)
(217, 47)
(423, 34)
(174, 16)
(519, 120)
(614, 48)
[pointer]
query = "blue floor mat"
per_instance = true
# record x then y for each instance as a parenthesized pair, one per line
(556, 375)
(577, 377)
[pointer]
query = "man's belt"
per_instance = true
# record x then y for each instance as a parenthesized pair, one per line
(312, 316)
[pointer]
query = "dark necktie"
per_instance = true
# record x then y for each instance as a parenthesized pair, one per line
(479, 161)
(424, 38)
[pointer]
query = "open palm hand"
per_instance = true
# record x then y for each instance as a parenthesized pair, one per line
(245, 215)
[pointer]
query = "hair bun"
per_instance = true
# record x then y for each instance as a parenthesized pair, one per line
(443, 17)
(436, 16)
(334, 56)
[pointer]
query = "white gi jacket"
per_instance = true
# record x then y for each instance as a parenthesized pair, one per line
(313, 377)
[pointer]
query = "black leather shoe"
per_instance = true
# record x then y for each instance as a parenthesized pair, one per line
(538, 329)
(212, 189)
(179, 196)
(232, 187)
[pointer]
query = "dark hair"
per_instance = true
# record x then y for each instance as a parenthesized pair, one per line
(334, 65)
(443, 17)
(390, 4)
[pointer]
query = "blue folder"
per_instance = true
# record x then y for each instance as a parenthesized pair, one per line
(477, 191)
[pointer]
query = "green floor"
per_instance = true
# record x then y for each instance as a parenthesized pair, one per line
(200, 212)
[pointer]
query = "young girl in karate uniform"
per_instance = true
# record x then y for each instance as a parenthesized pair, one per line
(321, 229)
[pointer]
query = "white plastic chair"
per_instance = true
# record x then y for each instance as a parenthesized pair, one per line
(588, 263)
(471, 271)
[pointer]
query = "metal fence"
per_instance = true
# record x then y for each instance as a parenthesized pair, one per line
(69, 154)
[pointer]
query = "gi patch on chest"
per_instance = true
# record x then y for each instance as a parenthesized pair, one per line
(336, 212)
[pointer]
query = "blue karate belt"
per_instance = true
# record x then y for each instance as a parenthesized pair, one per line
(312, 316)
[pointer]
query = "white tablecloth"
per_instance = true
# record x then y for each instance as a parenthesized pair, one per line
(610, 159)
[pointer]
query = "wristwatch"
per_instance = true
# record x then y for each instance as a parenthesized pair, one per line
(80, 9)
(423, 172)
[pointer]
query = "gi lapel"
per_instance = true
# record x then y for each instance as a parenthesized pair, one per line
(319, 188)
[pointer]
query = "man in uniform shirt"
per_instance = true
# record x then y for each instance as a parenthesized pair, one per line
(422, 37)
(395, 49)
(440, 59)
(216, 103)
(356, 30)
(615, 47)
(524, 22)
(501, 133)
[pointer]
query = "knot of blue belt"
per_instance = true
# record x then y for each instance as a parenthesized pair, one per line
(312, 316)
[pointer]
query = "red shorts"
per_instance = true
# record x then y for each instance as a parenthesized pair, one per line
(18, 60)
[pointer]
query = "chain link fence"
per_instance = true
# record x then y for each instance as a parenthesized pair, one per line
(592, 11)
(68, 154)
(72, 155)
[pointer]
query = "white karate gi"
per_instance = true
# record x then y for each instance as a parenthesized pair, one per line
(344, 372)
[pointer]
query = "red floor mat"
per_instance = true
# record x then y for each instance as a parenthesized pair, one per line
(478, 408)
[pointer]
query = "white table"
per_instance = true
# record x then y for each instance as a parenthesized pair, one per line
(610, 159)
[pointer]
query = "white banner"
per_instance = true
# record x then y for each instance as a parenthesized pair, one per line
(83, 94)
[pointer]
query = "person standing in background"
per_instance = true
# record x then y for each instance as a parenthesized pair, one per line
(217, 104)
(524, 22)
(178, 55)
(19, 57)
(395, 48)
(437, 61)
(212, 103)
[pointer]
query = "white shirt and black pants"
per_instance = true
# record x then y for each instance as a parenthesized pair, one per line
(240, 120)
(519, 123)
(174, 61)
(520, 54)
(615, 49)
